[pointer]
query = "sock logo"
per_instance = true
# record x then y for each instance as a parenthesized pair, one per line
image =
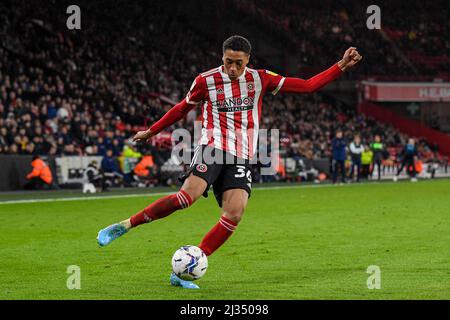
(202, 168)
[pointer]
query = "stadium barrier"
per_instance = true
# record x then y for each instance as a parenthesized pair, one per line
(14, 169)
(70, 169)
(410, 127)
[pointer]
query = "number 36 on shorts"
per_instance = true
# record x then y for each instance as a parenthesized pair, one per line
(243, 171)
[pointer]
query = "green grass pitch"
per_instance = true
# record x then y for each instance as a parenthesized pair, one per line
(293, 243)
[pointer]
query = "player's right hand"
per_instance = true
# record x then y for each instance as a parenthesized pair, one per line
(143, 136)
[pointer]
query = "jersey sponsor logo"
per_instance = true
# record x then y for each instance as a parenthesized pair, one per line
(234, 104)
(235, 109)
(202, 168)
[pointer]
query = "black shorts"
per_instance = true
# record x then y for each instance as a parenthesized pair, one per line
(222, 176)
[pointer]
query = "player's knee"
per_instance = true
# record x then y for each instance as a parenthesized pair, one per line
(234, 213)
(194, 187)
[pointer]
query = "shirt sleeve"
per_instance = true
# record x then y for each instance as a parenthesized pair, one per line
(272, 82)
(176, 113)
(195, 96)
(298, 85)
(197, 92)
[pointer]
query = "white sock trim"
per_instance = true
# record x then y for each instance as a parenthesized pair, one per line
(184, 198)
(181, 201)
(223, 225)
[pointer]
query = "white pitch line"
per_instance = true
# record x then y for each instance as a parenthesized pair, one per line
(134, 195)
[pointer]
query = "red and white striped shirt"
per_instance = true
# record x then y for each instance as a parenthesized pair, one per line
(232, 108)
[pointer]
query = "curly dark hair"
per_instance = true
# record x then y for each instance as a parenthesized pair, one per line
(237, 43)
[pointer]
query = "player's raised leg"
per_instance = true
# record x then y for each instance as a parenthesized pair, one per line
(234, 202)
(191, 190)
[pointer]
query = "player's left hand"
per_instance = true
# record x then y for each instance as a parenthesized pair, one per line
(143, 136)
(350, 58)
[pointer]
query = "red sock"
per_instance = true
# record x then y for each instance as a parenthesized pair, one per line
(217, 235)
(162, 208)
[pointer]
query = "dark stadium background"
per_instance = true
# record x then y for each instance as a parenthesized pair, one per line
(74, 98)
(70, 93)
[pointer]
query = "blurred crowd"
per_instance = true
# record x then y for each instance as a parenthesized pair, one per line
(86, 93)
(415, 44)
(66, 94)
(308, 123)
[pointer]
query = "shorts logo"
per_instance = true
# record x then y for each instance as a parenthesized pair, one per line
(250, 87)
(202, 168)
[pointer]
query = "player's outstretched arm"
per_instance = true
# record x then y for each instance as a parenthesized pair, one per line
(176, 113)
(194, 97)
(297, 85)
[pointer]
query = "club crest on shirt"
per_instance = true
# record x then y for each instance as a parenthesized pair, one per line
(250, 87)
(220, 91)
(202, 167)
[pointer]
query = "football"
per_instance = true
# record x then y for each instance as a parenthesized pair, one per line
(189, 263)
